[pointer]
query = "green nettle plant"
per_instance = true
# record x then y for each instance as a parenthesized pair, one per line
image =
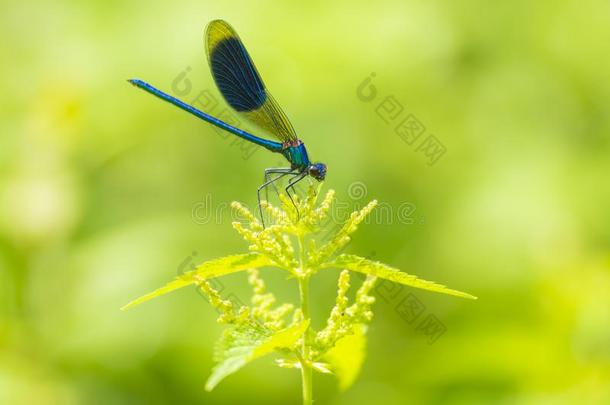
(291, 244)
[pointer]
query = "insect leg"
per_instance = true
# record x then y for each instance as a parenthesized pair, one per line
(282, 172)
(298, 177)
(268, 173)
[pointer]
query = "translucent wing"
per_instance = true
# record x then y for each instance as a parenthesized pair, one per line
(239, 82)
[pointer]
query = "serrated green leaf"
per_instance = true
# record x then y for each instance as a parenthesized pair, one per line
(347, 356)
(240, 345)
(207, 270)
(285, 338)
(362, 265)
(232, 351)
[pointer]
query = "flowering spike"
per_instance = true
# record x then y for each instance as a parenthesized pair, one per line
(265, 325)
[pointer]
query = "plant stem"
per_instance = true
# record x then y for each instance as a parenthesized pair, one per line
(306, 371)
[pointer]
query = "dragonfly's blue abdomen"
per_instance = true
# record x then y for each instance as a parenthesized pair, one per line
(265, 143)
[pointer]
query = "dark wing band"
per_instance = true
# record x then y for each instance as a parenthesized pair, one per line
(240, 83)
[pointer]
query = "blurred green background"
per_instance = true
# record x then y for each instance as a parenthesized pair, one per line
(102, 186)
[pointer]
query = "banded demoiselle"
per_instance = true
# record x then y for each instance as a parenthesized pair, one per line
(243, 89)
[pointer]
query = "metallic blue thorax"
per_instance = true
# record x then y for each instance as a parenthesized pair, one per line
(296, 154)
